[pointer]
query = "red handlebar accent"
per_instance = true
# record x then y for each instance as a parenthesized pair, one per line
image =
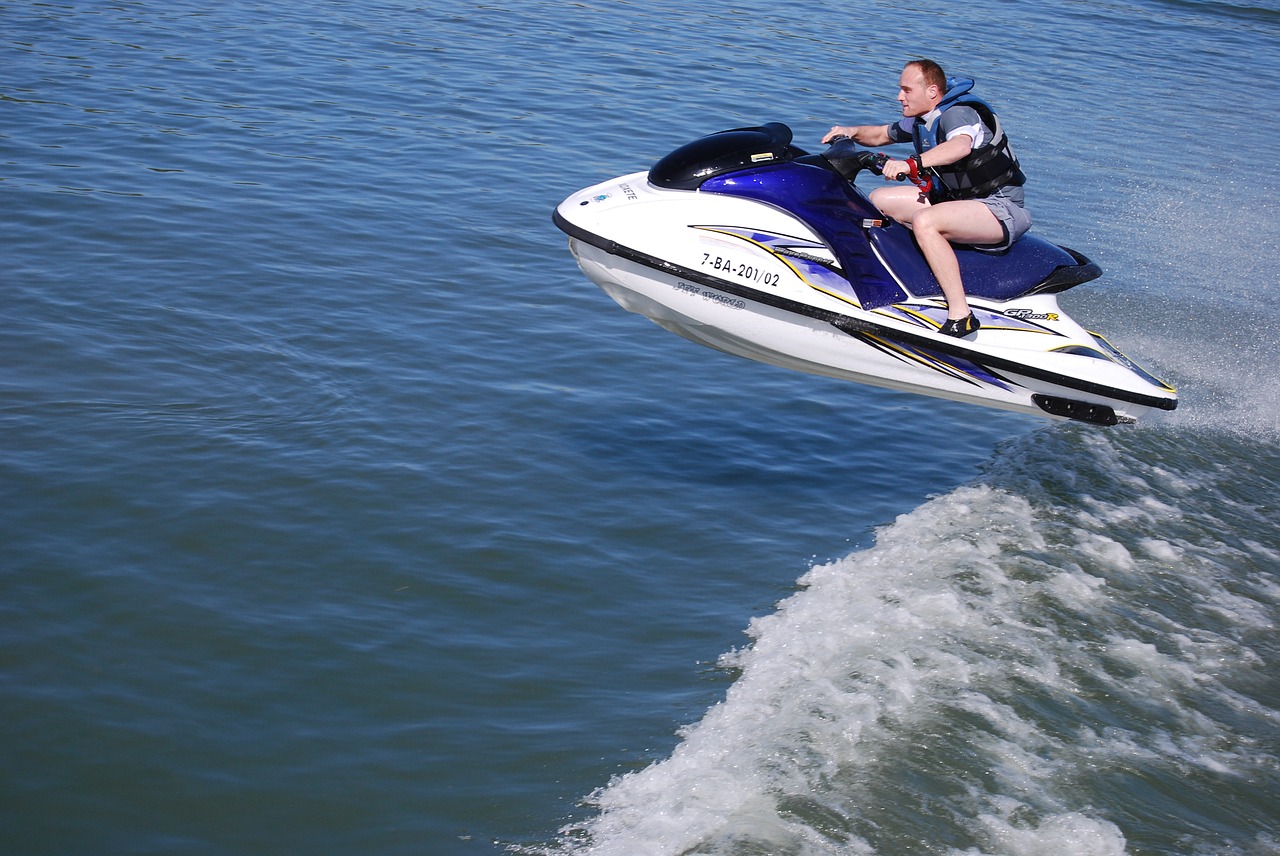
(925, 183)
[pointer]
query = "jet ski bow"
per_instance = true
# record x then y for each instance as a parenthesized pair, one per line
(743, 242)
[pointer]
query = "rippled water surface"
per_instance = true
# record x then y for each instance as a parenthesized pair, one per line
(341, 514)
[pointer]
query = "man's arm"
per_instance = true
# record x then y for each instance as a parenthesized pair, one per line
(942, 154)
(954, 149)
(865, 135)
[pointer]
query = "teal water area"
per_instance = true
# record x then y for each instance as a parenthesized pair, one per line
(341, 514)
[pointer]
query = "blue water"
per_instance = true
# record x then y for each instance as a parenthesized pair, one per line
(341, 514)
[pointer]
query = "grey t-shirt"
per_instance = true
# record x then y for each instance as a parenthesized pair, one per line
(954, 120)
(958, 119)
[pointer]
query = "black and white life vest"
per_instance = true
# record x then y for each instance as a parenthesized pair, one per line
(983, 170)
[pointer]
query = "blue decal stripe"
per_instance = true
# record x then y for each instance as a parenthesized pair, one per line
(958, 369)
(791, 241)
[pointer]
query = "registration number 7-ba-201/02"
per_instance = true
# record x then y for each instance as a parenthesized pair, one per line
(739, 269)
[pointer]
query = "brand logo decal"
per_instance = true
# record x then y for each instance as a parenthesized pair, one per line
(1029, 315)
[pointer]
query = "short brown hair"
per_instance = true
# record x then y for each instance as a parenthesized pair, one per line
(931, 72)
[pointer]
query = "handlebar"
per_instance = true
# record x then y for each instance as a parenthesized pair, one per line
(875, 162)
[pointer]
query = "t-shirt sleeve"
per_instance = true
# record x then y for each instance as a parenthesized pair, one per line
(963, 120)
(900, 132)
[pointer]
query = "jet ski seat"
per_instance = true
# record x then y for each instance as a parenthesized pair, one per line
(1031, 266)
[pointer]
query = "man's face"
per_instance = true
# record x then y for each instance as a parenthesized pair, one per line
(915, 97)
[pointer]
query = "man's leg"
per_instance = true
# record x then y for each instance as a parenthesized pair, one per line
(963, 221)
(901, 202)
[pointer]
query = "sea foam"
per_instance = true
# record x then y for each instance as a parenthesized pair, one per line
(978, 680)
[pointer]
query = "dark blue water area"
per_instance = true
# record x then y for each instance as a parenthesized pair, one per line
(342, 514)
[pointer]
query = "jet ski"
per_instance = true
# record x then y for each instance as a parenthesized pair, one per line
(743, 242)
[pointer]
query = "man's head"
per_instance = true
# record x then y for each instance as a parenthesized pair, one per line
(921, 87)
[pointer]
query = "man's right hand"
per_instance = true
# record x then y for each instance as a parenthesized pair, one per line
(849, 131)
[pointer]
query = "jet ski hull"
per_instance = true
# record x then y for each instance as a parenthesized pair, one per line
(753, 280)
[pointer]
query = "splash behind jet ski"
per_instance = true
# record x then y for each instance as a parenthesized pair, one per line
(743, 242)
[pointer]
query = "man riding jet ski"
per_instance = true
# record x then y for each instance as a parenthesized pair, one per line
(971, 183)
(743, 242)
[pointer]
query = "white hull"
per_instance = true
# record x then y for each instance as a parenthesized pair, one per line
(709, 268)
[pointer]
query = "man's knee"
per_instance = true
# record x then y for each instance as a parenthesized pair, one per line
(928, 221)
(893, 202)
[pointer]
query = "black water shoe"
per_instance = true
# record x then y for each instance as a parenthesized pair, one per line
(960, 327)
